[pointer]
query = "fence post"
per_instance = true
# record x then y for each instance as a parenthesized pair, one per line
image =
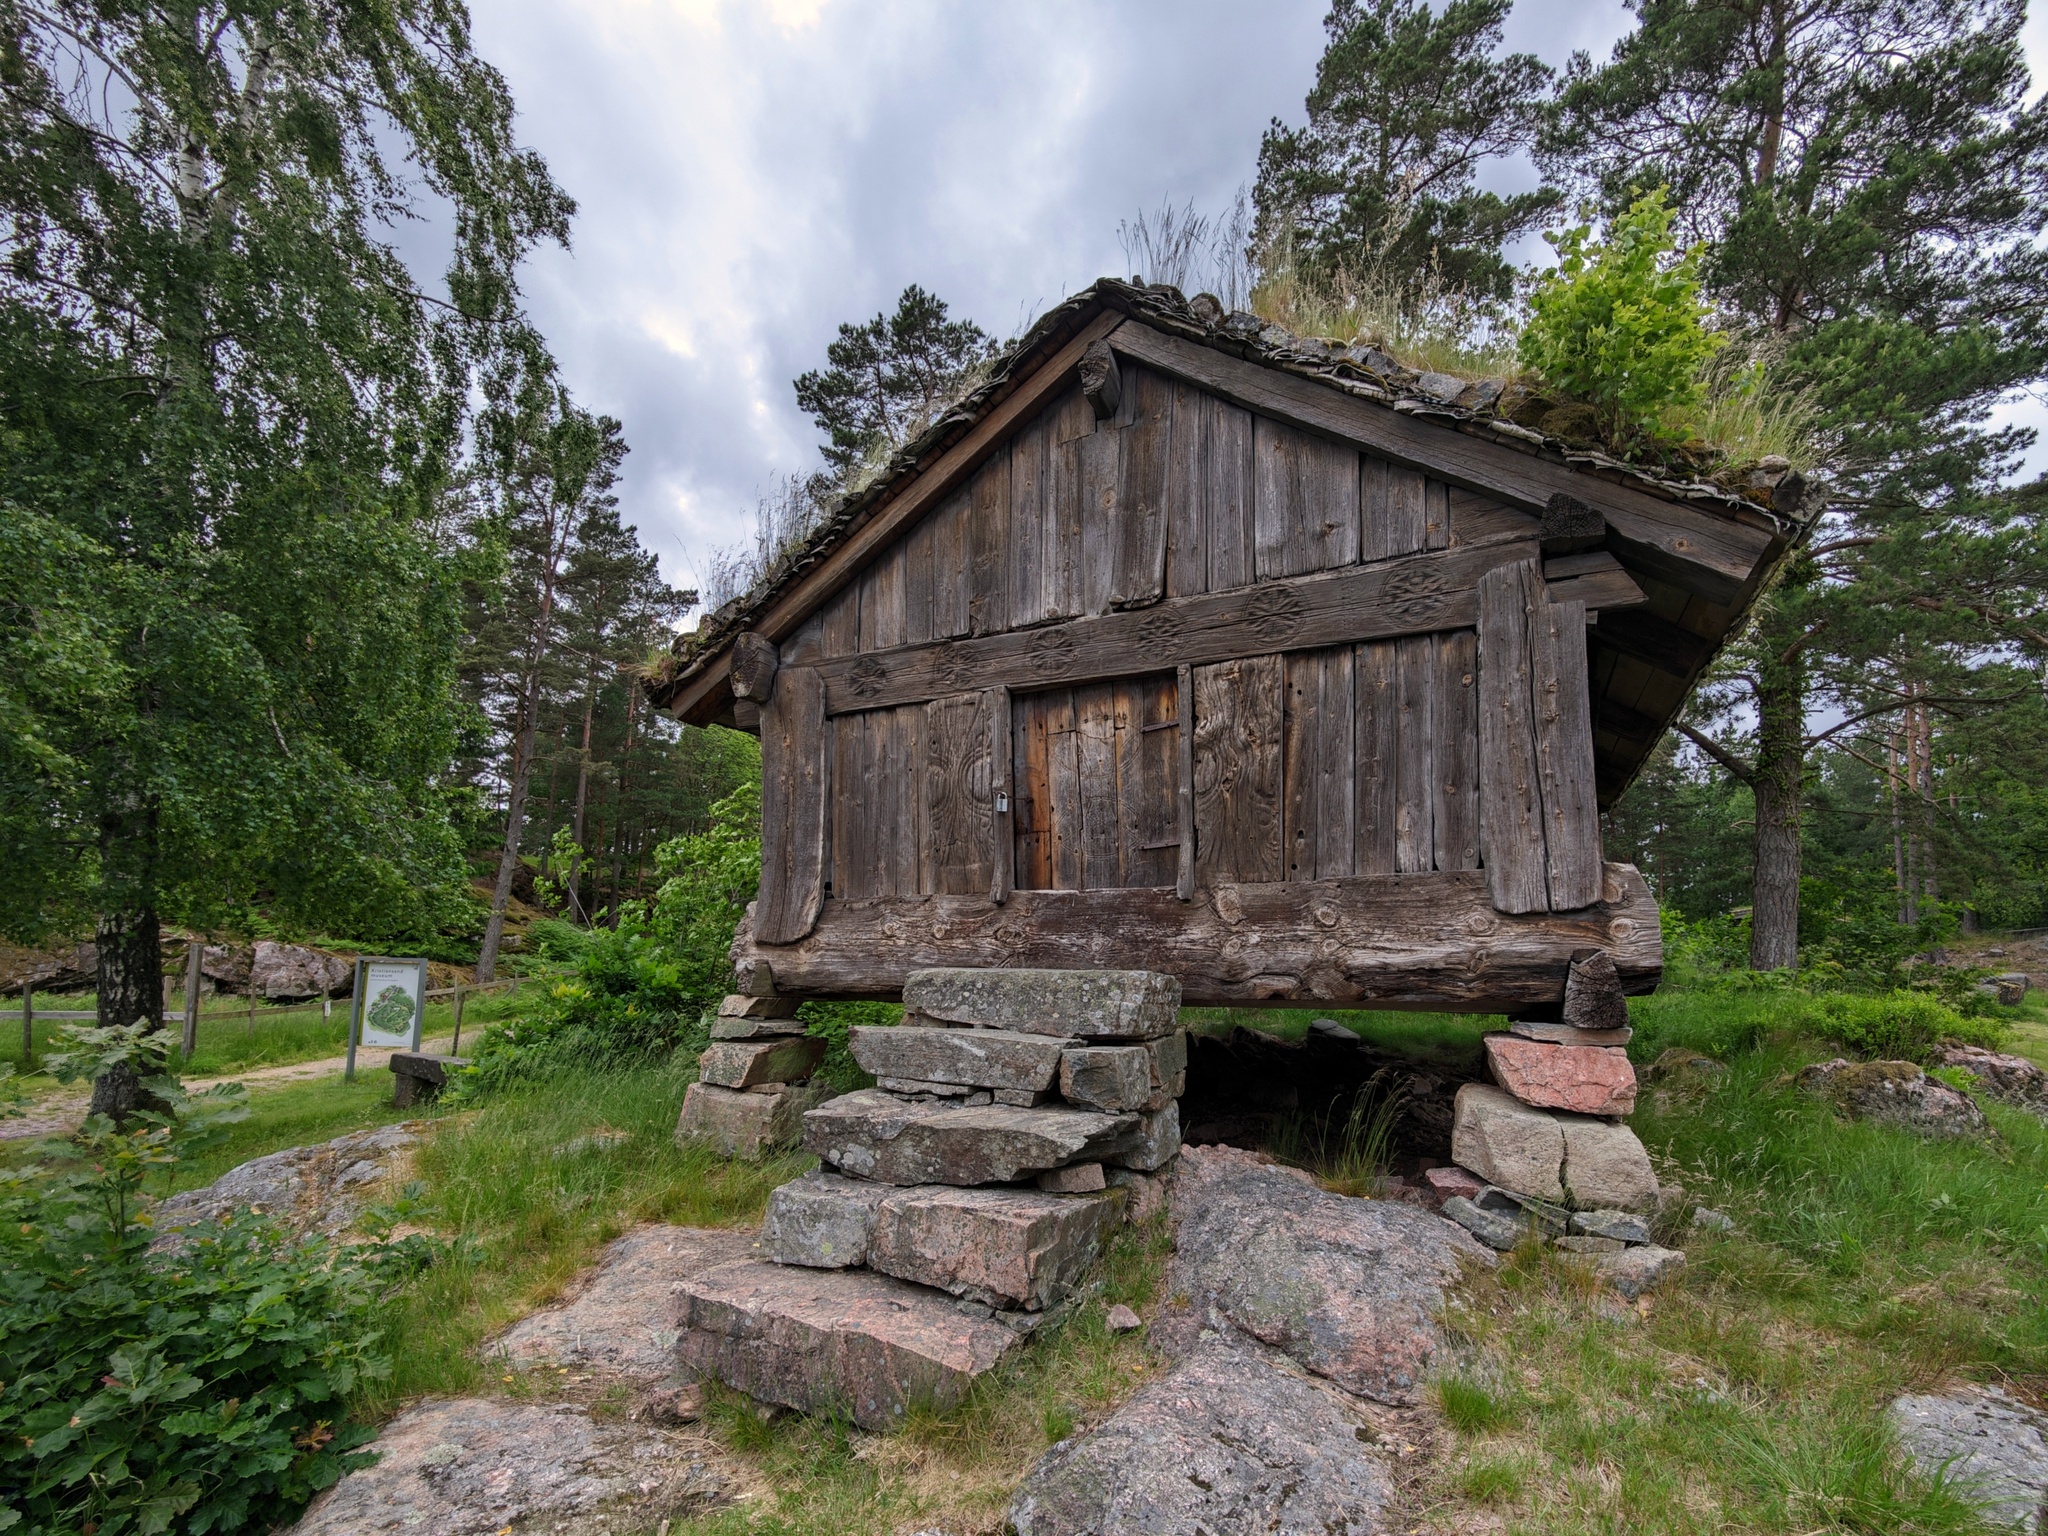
(28, 1023)
(193, 955)
(456, 1048)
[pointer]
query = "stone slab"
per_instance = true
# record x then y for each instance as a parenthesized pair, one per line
(845, 1340)
(1636, 1270)
(1986, 1444)
(974, 1058)
(755, 1029)
(1582, 1079)
(1575, 1242)
(1235, 1439)
(1113, 1005)
(1507, 1143)
(1169, 1067)
(1605, 1166)
(1348, 1288)
(752, 1063)
(748, 1124)
(1448, 1181)
(821, 1221)
(892, 1140)
(1074, 1179)
(955, 1093)
(1622, 1226)
(620, 1318)
(1155, 1143)
(471, 1466)
(1011, 1248)
(1497, 1229)
(737, 1005)
(1569, 1034)
(1111, 1077)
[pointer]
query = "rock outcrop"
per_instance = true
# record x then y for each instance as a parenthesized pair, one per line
(1896, 1093)
(1237, 1438)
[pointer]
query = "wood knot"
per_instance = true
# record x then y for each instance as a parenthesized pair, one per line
(1327, 916)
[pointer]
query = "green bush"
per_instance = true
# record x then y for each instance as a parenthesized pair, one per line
(1619, 325)
(641, 992)
(1898, 1026)
(201, 1387)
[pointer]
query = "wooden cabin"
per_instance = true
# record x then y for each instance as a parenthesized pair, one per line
(1187, 645)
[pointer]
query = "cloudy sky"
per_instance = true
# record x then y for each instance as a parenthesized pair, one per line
(753, 172)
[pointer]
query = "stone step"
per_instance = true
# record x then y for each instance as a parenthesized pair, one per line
(752, 1063)
(972, 1058)
(888, 1139)
(1095, 1005)
(835, 1340)
(1012, 1248)
(748, 1123)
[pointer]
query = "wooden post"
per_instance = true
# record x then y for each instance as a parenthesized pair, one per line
(1003, 855)
(456, 1048)
(355, 1015)
(28, 1023)
(252, 1007)
(194, 954)
(1184, 787)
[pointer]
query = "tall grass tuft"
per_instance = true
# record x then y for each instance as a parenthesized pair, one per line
(1354, 1154)
(1419, 320)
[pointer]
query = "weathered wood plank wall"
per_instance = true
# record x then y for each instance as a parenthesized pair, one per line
(1008, 648)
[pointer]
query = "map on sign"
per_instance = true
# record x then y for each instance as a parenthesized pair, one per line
(394, 995)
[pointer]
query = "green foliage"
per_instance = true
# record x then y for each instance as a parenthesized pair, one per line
(642, 991)
(1620, 325)
(1380, 184)
(1899, 1026)
(883, 378)
(557, 942)
(228, 418)
(200, 1386)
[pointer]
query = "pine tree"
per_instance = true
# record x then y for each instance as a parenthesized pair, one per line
(1870, 180)
(884, 376)
(1407, 105)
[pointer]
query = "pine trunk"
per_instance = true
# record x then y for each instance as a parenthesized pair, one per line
(1780, 773)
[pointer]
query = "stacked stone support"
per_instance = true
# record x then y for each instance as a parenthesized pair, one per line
(753, 1080)
(1547, 1148)
(1018, 1116)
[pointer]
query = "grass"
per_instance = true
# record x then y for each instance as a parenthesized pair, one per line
(1747, 1396)
(1450, 1040)
(1750, 1395)
(231, 1040)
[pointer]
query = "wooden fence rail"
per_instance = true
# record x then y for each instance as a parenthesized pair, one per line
(192, 1013)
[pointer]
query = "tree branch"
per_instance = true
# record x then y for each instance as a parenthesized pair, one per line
(1718, 753)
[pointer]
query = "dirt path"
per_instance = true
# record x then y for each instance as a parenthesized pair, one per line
(59, 1112)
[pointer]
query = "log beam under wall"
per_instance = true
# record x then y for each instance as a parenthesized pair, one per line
(1425, 941)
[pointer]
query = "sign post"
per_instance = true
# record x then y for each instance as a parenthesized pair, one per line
(390, 1006)
(195, 953)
